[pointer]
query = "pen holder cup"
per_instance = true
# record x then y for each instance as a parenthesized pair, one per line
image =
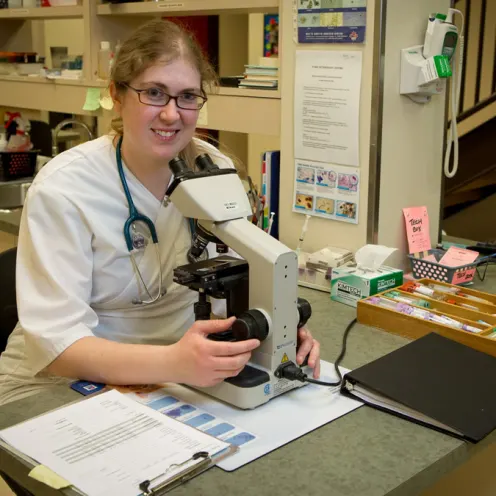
(15, 165)
(423, 268)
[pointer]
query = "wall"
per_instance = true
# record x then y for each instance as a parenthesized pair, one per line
(67, 32)
(322, 232)
(474, 222)
(412, 134)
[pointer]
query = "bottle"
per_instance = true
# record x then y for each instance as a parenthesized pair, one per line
(104, 60)
(3, 142)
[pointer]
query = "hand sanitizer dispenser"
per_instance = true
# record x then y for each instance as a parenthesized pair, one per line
(425, 69)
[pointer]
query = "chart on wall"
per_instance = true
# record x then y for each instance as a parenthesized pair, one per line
(327, 106)
(330, 21)
(327, 191)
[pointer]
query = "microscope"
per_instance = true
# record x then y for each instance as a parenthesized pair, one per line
(260, 289)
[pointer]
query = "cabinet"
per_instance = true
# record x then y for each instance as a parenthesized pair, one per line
(257, 111)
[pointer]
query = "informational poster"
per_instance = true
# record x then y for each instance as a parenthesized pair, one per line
(327, 191)
(326, 106)
(330, 21)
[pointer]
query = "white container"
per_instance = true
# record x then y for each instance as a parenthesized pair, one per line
(29, 69)
(104, 59)
(15, 4)
(3, 142)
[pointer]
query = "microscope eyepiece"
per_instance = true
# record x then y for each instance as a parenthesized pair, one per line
(178, 166)
(205, 163)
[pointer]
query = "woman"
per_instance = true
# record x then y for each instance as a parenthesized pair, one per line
(88, 308)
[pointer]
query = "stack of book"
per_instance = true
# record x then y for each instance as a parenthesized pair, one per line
(265, 75)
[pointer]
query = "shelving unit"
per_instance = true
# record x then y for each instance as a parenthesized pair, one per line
(256, 111)
(190, 7)
(42, 13)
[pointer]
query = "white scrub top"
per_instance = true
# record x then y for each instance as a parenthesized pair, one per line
(74, 274)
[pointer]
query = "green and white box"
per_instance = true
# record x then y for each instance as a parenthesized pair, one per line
(350, 284)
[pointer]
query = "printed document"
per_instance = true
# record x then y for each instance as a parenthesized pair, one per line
(109, 444)
(327, 102)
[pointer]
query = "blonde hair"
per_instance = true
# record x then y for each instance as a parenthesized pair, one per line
(159, 41)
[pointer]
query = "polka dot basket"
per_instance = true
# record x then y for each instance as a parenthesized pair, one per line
(16, 165)
(424, 267)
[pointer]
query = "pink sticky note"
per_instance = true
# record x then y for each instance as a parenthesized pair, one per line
(462, 276)
(455, 257)
(417, 229)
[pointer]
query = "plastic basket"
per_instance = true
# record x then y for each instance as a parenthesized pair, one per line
(15, 165)
(427, 269)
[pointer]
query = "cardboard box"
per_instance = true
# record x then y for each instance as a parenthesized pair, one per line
(350, 284)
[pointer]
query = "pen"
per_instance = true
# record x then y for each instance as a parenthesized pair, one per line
(302, 234)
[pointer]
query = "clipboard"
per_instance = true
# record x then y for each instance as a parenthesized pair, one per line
(196, 463)
(204, 462)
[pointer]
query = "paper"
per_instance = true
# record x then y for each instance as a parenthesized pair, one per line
(330, 21)
(327, 102)
(455, 257)
(109, 444)
(372, 257)
(92, 101)
(463, 276)
(276, 423)
(48, 477)
(159, 398)
(417, 229)
(327, 191)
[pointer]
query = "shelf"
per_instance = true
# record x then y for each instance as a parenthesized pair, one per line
(66, 96)
(229, 109)
(189, 7)
(241, 113)
(249, 92)
(69, 12)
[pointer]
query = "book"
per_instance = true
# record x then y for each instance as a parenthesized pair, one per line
(270, 190)
(433, 381)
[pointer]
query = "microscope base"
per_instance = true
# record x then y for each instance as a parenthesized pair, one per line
(251, 388)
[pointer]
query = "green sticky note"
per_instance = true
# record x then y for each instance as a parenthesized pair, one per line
(92, 99)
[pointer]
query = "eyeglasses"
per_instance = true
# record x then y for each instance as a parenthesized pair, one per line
(157, 97)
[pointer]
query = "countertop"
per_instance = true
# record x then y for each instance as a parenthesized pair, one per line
(10, 220)
(364, 453)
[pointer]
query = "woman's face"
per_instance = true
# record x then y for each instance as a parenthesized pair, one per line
(159, 133)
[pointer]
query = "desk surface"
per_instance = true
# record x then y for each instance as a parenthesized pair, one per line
(366, 452)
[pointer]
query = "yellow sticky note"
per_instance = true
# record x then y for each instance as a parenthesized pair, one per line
(203, 117)
(106, 102)
(48, 477)
(92, 99)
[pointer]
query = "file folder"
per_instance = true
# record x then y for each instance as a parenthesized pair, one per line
(433, 381)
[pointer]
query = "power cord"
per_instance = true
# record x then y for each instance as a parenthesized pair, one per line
(292, 372)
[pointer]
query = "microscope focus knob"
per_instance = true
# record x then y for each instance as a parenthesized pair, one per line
(251, 324)
(304, 311)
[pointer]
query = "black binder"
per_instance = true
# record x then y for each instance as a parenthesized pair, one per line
(433, 381)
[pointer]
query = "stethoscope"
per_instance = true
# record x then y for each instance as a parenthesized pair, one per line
(135, 241)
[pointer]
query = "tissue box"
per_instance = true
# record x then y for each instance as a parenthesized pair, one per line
(350, 284)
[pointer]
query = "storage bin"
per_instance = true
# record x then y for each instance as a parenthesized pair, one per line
(413, 327)
(15, 165)
(422, 268)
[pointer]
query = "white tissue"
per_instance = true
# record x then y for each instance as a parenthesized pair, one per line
(371, 257)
